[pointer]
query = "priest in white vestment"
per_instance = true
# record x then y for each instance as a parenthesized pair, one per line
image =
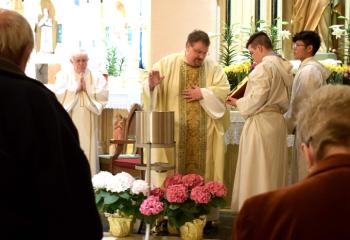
(310, 76)
(262, 157)
(195, 88)
(83, 94)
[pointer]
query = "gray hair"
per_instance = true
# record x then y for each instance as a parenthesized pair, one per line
(15, 35)
(79, 53)
(324, 119)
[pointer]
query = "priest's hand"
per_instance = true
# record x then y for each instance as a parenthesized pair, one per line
(154, 79)
(231, 101)
(192, 94)
(81, 84)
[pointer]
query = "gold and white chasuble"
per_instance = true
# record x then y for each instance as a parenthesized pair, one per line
(262, 156)
(199, 125)
(84, 107)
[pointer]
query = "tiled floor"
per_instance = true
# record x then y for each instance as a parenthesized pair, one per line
(224, 230)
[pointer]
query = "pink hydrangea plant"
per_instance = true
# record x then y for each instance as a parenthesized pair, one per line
(151, 206)
(201, 195)
(192, 180)
(217, 189)
(157, 192)
(176, 193)
(173, 180)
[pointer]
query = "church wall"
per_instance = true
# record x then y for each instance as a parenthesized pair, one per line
(171, 21)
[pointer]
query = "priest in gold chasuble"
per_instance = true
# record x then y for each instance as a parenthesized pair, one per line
(194, 87)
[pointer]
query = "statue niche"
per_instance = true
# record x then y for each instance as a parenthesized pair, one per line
(46, 32)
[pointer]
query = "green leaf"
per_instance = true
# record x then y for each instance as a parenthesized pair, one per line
(125, 195)
(227, 50)
(98, 198)
(114, 63)
(218, 202)
(110, 199)
(174, 206)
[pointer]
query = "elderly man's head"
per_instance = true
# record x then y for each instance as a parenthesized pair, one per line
(324, 122)
(80, 61)
(16, 38)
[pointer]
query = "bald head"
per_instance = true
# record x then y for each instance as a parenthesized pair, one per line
(16, 38)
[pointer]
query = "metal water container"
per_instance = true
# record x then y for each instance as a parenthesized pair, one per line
(154, 127)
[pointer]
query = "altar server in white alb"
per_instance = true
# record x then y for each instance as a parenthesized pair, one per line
(83, 94)
(262, 156)
(310, 76)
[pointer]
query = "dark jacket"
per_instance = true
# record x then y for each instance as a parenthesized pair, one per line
(45, 181)
(316, 208)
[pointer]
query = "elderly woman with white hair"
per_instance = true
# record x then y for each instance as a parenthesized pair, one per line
(83, 94)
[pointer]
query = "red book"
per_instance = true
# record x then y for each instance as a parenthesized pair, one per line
(239, 90)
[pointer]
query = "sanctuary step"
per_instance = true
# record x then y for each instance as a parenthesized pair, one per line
(224, 229)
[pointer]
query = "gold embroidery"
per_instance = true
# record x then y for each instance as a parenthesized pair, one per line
(192, 138)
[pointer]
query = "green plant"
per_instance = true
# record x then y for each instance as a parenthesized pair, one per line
(237, 72)
(119, 193)
(342, 34)
(274, 31)
(187, 197)
(228, 49)
(114, 64)
(340, 74)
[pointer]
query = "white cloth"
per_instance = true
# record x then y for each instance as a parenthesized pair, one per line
(310, 76)
(262, 156)
(83, 107)
(212, 105)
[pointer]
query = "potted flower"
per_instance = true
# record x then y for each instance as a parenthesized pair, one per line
(340, 74)
(186, 200)
(237, 72)
(119, 197)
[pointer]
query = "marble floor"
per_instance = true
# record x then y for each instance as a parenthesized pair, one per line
(223, 230)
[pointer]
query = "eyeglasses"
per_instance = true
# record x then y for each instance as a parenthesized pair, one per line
(199, 52)
(297, 45)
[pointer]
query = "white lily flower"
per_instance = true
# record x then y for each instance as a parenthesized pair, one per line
(336, 26)
(338, 32)
(284, 34)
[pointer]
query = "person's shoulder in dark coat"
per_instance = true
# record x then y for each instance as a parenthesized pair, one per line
(46, 177)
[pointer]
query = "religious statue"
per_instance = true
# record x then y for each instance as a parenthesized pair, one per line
(46, 33)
